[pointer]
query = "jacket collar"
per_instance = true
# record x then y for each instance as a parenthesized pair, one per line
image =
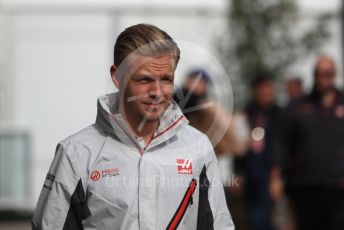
(112, 122)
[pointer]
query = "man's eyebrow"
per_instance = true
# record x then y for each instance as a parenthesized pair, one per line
(145, 74)
(171, 75)
(153, 76)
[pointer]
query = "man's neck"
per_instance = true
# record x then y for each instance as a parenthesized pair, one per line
(146, 130)
(140, 128)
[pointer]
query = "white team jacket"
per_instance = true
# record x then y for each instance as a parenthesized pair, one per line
(104, 178)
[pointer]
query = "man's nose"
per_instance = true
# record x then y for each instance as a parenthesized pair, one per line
(155, 89)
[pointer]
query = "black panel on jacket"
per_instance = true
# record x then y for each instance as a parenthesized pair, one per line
(205, 220)
(78, 209)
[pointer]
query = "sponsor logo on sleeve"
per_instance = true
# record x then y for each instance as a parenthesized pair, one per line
(49, 180)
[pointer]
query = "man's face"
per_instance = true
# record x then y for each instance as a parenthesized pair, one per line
(324, 75)
(197, 85)
(265, 93)
(294, 89)
(149, 89)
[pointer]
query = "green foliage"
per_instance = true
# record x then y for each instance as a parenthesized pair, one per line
(264, 38)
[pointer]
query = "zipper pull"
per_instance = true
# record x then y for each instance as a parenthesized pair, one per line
(191, 200)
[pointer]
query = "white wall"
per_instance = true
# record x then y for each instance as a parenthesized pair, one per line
(61, 66)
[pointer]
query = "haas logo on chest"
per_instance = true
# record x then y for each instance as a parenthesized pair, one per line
(109, 172)
(184, 166)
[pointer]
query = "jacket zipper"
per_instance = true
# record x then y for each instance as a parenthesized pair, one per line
(164, 131)
(187, 199)
(133, 141)
(139, 148)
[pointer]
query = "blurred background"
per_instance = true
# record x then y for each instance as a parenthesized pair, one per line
(55, 58)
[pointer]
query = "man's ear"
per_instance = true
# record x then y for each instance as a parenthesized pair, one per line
(114, 76)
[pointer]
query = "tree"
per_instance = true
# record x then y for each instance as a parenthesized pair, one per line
(263, 38)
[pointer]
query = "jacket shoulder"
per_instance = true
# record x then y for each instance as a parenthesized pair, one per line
(89, 139)
(192, 136)
(86, 135)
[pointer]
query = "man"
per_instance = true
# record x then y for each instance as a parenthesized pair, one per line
(140, 166)
(312, 157)
(206, 115)
(294, 90)
(262, 113)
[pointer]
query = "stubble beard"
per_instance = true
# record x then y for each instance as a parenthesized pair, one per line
(153, 116)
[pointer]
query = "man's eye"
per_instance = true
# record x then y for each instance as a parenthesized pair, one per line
(166, 80)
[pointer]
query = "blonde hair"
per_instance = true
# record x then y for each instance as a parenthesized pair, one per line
(145, 39)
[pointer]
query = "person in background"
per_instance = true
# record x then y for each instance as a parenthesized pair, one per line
(228, 134)
(207, 116)
(262, 113)
(294, 90)
(310, 154)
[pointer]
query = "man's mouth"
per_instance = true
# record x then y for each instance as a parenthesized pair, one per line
(154, 105)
